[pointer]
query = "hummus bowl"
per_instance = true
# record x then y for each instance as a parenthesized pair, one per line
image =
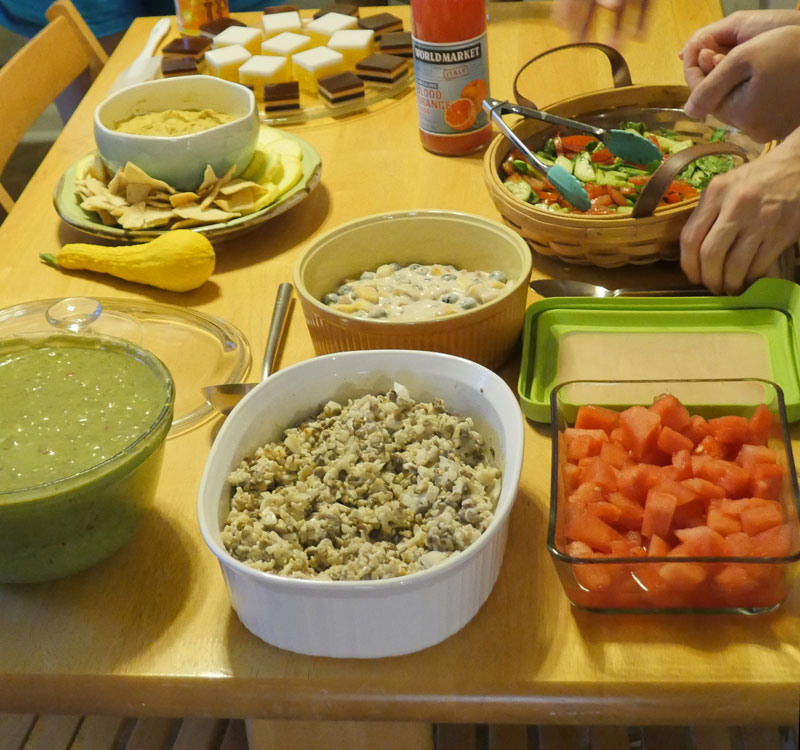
(364, 618)
(180, 160)
(86, 419)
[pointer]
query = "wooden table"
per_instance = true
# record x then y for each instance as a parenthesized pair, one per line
(151, 632)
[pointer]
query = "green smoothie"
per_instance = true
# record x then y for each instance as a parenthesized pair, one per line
(83, 423)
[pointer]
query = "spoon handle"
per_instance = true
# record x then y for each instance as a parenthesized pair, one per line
(494, 108)
(276, 327)
(537, 114)
(700, 291)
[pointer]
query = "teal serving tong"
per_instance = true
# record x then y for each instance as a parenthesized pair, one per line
(567, 184)
(626, 144)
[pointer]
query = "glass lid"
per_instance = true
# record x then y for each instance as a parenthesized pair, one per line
(198, 349)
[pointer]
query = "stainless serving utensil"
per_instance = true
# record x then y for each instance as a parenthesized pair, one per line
(568, 185)
(623, 143)
(225, 396)
(573, 288)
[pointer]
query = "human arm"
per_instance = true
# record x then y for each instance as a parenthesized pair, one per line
(745, 219)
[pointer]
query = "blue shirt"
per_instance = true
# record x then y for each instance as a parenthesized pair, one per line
(103, 17)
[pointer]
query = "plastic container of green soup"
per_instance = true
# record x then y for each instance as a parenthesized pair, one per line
(84, 419)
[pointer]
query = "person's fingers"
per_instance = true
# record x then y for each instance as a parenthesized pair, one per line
(771, 249)
(565, 11)
(693, 76)
(705, 60)
(717, 59)
(695, 231)
(708, 41)
(738, 261)
(641, 22)
(716, 86)
(587, 21)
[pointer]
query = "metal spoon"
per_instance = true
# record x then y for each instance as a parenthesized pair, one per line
(568, 185)
(573, 288)
(225, 396)
(627, 145)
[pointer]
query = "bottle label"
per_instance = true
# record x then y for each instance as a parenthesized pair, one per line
(452, 80)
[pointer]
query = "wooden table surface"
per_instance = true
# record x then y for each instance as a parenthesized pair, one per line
(150, 631)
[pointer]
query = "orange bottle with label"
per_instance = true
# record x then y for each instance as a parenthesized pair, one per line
(451, 71)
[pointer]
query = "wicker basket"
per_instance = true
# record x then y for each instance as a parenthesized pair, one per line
(647, 235)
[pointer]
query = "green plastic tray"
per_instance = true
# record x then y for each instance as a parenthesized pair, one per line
(619, 338)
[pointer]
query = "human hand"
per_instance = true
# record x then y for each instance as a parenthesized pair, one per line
(755, 86)
(577, 15)
(746, 218)
(723, 35)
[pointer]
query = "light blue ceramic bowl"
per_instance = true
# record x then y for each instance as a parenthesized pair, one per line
(180, 160)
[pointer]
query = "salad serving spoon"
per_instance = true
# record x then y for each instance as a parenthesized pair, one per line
(574, 288)
(565, 183)
(625, 144)
(225, 396)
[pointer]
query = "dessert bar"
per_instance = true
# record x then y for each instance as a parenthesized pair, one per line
(212, 28)
(347, 9)
(396, 43)
(341, 87)
(381, 23)
(187, 46)
(382, 68)
(281, 97)
(178, 66)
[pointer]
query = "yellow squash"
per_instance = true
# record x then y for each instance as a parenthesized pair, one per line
(178, 260)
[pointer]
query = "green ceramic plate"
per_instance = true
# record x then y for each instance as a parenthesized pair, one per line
(754, 335)
(68, 206)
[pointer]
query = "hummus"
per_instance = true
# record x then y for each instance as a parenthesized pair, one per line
(172, 122)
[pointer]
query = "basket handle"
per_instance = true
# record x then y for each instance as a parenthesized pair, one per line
(654, 189)
(620, 71)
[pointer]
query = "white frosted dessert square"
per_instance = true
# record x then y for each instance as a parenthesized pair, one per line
(224, 62)
(354, 44)
(261, 70)
(277, 23)
(285, 44)
(312, 64)
(246, 36)
(323, 28)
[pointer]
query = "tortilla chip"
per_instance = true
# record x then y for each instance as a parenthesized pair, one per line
(136, 192)
(182, 199)
(132, 173)
(241, 201)
(209, 178)
(157, 217)
(99, 203)
(133, 218)
(187, 223)
(97, 169)
(216, 187)
(206, 215)
(107, 218)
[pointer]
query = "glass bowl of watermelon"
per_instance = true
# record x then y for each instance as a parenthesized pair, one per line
(673, 496)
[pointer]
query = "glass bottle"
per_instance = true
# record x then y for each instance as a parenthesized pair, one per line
(192, 14)
(451, 70)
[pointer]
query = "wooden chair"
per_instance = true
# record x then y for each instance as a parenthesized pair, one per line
(40, 71)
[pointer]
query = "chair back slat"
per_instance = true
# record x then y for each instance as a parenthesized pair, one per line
(40, 71)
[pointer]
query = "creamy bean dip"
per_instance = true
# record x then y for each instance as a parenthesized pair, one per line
(415, 292)
(173, 122)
